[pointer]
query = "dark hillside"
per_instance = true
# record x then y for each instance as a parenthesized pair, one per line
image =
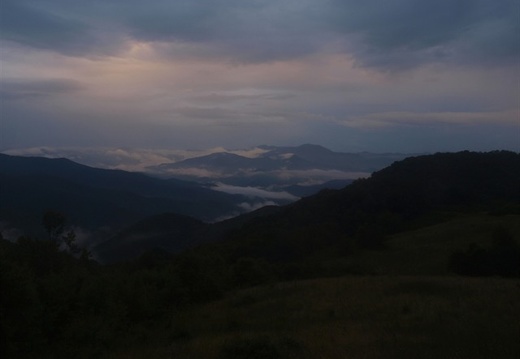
(417, 185)
(108, 179)
(169, 232)
(93, 197)
(408, 194)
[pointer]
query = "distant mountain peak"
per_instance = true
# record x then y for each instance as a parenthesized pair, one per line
(224, 155)
(310, 146)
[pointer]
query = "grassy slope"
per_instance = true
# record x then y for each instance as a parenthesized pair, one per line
(355, 317)
(426, 251)
(415, 310)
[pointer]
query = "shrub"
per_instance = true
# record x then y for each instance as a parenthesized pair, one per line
(502, 258)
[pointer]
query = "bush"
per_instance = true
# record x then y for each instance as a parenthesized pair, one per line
(502, 258)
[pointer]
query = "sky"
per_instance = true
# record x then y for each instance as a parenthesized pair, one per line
(351, 75)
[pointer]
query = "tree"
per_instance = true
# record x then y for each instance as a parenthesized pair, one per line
(54, 223)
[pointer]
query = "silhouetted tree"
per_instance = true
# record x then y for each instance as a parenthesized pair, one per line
(54, 223)
(501, 258)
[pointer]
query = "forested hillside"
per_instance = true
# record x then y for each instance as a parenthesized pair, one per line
(94, 198)
(406, 195)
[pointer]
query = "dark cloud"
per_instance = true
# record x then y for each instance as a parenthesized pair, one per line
(403, 23)
(235, 31)
(175, 21)
(42, 29)
(404, 33)
(379, 33)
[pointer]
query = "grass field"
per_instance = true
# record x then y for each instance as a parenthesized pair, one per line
(406, 304)
(351, 317)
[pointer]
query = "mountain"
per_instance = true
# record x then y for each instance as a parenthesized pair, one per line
(305, 191)
(101, 178)
(93, 198)
(224, 163)
(170, 233)
(323, 158)
(275, 168)
(411, 192)
(408, 194)
(270, 168)
(167, 232)
(273, 158)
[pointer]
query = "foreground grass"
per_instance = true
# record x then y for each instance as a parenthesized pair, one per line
(350, 317)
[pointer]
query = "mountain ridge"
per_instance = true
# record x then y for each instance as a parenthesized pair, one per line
(86, 194)
(275, 157)
(412, 192)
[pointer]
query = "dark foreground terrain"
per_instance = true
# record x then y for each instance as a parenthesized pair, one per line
(420, 261)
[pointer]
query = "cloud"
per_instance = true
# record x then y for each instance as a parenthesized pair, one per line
(34, 26)
(10, 233)
(182, 20)
(377, 33)
(317, 176)
(199, 74)
(249, 153)
(384, 119)
(235, 31)
(197, 172)
(245, 207)
(254, 192)
(407, 33)
(249, 207)
(404, 23)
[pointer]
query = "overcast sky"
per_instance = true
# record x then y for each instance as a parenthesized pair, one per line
(352, 75)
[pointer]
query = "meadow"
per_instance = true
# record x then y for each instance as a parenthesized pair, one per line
(404, 303)
(350, 317)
